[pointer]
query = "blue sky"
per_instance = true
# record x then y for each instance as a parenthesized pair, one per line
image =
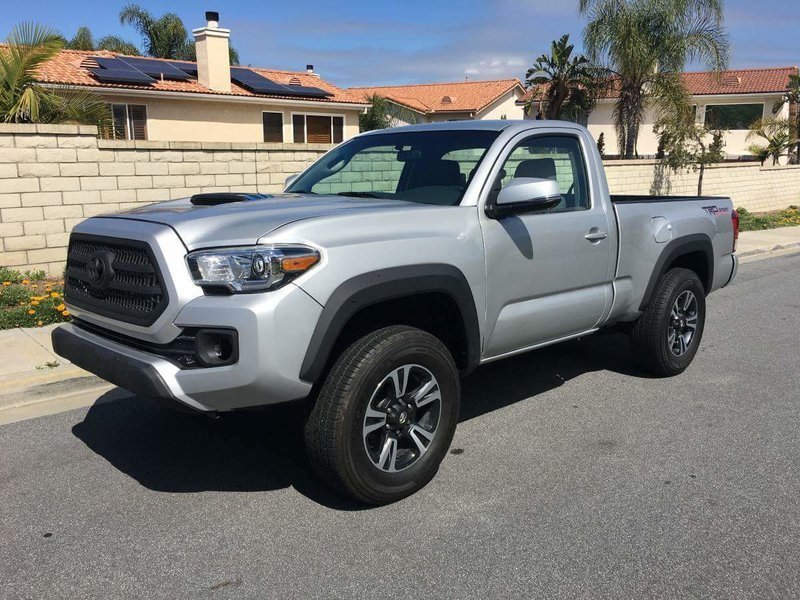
(355, 42)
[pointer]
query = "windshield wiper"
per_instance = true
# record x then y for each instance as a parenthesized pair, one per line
(359, 194)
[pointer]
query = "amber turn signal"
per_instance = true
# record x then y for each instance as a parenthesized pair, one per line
(298, 264)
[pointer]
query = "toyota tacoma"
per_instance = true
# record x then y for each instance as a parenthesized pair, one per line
(395, 264)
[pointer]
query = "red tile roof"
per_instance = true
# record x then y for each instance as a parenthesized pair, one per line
(66, 68)
(462, 96)
(736, 81)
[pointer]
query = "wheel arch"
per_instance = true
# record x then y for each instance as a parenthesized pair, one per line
(694, 252)
(444, 285)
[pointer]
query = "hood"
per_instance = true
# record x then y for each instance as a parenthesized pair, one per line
(243, 223)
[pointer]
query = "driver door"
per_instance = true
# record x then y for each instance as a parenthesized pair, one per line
(549, 272)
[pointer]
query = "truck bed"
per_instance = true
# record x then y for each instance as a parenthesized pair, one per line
(652, 227)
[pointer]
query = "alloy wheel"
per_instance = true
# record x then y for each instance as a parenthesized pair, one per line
(402, 418)
(682, 323)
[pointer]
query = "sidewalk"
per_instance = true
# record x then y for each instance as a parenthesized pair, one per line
(32, 373)
(767, 241)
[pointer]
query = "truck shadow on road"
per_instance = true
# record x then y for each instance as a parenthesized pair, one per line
(169, 451)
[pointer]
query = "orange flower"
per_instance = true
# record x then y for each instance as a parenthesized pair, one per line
(6, 283)
(61, 308)
(65, 313)
(39, 323)
(25, 282)
(35, 303)
(55, 295)
(31, 312)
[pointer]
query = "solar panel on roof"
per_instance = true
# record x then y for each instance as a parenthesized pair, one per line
(305, 90)
(256, 83)
(157, 68)
(118, 71)
(259, 84)
(121, 76)
(188, 68)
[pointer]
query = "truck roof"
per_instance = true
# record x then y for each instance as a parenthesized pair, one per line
(468, 125)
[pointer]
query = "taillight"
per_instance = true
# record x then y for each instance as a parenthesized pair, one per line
(735, 219)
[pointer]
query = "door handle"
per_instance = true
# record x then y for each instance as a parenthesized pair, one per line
(596, 236)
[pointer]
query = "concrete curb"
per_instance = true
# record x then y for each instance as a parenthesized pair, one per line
(765, 252)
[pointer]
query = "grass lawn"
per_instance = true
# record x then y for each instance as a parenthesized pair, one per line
(780, 218)
(30, 299)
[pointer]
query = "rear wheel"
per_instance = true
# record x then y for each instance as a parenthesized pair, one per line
(385, 415)
(667, 335)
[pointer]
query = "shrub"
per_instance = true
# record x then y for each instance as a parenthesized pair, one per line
(29, 300)
(782, 218)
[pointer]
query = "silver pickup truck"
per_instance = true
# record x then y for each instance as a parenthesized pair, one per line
(397, 262)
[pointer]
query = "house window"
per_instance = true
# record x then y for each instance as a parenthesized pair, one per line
(128, 122)
(733, 116)
(273, 127)
(317, 129)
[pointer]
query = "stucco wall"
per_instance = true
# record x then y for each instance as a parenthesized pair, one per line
(205, 120)
(54, 176)
(504, 106)
(736, 143)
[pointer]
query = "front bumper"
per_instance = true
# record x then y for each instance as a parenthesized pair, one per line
(274, 329)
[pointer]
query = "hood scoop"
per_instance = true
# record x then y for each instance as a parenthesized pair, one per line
(215, 199)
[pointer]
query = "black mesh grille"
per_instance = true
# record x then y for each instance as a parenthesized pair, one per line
(115, 278)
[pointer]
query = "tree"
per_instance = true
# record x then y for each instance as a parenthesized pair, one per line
(113, 43)
(84, 40)
(686, 144)
(164, 36)
(601, 144)
(644, 45)
(377, 116)
(566, 83)
(24, 100)
(792, 97)
(776, 132)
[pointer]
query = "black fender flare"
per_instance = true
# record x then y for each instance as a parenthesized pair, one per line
(378, 286)
(697, 242)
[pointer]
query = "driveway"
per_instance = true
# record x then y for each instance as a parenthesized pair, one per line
(572, 474)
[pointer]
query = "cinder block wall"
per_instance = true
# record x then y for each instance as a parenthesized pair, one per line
(54, 176)
(749, 185)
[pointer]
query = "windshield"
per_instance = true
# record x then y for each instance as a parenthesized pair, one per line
(428, 167)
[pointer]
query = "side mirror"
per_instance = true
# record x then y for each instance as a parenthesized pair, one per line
(525, 194)
(290, 180)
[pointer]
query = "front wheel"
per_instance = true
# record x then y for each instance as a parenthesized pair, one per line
(385, 415)
(667, 335)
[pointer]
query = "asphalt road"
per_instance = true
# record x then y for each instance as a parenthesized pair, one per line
(575, 475)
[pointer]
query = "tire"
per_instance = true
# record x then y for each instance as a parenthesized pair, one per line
(652, 339)
(366, 466)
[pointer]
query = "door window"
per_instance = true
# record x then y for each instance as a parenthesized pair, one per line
(556, 157)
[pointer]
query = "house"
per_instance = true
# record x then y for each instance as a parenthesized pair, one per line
(432, 102)
(210, 100)
(730, 101)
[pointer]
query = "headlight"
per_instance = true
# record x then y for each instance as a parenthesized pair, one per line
(250, 269)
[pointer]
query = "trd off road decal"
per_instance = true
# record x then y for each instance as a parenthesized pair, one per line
(715, 210)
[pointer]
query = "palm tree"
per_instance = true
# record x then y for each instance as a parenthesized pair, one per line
(644, 45)
(377, 116)
(24, 100)
(777, 133)
(165, 36)
(565, 83)
(84, 40)
(792, 97)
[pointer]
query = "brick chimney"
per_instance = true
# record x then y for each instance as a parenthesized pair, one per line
(213, 54)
